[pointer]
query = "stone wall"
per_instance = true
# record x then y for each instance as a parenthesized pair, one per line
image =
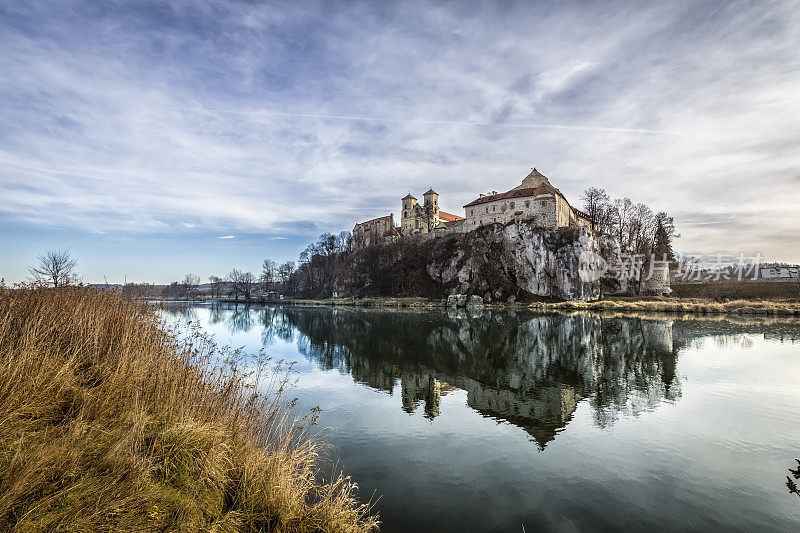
(372, 231)
(544, 210)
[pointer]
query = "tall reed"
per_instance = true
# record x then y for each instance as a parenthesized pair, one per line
(109, 422)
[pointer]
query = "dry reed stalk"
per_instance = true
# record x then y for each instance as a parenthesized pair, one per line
(109, 422)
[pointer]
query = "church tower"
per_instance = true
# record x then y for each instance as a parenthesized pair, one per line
(432, 200)
(431, 210)
(407, 215)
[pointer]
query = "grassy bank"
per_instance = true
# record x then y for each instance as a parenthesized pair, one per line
(617, 304)
(739, 290)
(677, 305)
(107, 423)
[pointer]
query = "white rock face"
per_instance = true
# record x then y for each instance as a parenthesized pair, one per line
(501, 260)
(475, 302)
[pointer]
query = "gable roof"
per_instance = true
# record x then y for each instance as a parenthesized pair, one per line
(544, 188)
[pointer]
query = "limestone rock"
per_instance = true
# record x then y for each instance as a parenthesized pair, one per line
(475, 302)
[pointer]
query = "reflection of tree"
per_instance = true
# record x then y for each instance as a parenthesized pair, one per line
(275, 326)
(186, 313)
(240, 319)
(529, 370)
(791, 483)
(217, 313)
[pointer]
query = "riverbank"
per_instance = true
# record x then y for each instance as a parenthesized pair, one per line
(677, 305)
(110, 423)
(638, 305)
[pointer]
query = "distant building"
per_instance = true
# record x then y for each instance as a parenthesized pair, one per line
(427, 217)
(780, 272)
(534, 201)
(376, 231)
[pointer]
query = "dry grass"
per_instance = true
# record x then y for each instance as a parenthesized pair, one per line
(109, 423)
(739, 290)
(678, 305)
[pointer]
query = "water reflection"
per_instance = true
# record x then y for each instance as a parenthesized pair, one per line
(529, 370)
(714, 402)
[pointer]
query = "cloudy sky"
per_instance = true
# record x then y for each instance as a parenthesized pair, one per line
(155, 139)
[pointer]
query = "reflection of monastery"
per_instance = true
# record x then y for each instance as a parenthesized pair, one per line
(530, 372)
(534, 201)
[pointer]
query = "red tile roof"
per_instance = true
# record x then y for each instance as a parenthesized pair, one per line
(544, 188)
(448, 217)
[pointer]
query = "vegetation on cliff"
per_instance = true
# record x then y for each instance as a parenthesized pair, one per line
(495, 260)
(110, 423)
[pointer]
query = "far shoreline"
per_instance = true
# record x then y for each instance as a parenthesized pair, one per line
(666, 305)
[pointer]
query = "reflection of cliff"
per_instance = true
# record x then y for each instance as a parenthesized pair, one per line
(529, 370)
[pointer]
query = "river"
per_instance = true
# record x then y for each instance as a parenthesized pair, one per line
(503, 421)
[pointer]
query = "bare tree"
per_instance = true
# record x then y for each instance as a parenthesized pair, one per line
(285, 272)
(621, 212)
(56, 268)
(191, 285)
(344, 242)
(242, 284)
(217, 284)
(594, 203)
(268, 274)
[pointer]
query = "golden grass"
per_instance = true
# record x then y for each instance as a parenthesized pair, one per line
(110, 423)
(678, 305)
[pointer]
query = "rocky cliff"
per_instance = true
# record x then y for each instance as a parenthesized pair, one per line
(496, 262)
(521, 259)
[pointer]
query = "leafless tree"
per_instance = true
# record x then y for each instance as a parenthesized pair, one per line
(344, 242)
(217, 284)
(55, 267)
(269, 271)
(191, 286)
(242, 284)
(621, 213)
(285, 272)
(595, 202)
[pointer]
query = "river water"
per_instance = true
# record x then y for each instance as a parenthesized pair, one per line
(508, 421)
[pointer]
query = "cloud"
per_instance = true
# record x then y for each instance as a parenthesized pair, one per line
(227, 237)
(296, 119)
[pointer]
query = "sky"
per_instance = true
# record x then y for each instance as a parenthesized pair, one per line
(153, 139)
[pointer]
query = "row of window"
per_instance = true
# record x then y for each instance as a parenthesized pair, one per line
(511, 205)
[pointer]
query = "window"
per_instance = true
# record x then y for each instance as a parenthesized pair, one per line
(471, 212)
(542, 202)
(527, 203)
(512, 205)
(416, 224)
(494, 207)
(487, 209)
